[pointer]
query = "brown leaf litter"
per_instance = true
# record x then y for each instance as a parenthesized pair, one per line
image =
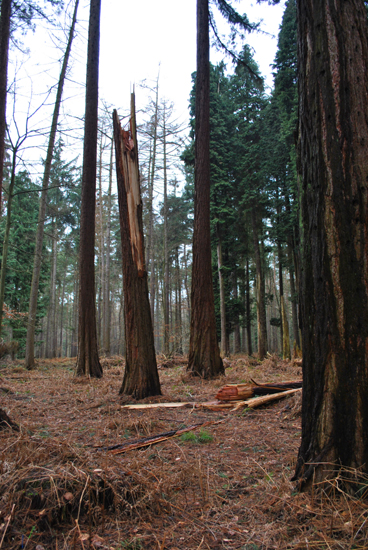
(224, 485)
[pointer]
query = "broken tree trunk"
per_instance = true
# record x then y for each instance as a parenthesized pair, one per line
(141, 376)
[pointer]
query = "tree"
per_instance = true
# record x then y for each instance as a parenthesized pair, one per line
(248, 90)
(140, 376)
(204, 355)
(11, 11)
(19, 264)
(88, 361)
(333, 166)
(4, 49)
(30, 362)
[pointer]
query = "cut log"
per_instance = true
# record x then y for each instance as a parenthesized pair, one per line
(236, 392)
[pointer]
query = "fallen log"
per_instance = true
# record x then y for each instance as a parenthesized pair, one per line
(264, 400)
(251, 403)
(236, 392)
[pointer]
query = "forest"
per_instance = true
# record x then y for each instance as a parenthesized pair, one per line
(151, 269)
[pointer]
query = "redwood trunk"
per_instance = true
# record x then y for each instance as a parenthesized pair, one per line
(4, 49)
(88, 361)
(141, 376)
(333, 161)
(204, 355)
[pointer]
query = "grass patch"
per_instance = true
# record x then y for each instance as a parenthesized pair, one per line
(202, 437)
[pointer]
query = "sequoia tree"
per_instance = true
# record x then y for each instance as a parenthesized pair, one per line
(204, 354)
(88, 361)
(333, 166)
(4, 49)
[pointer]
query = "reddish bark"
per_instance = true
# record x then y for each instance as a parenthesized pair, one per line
(204, 355)
(88, 360)
(333, 163)
(141, 376)
(4, 49)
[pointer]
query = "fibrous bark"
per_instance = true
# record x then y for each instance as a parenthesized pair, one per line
(204, 355)
(4, 49)
(88, 361)
(333, 165)
(141, 376)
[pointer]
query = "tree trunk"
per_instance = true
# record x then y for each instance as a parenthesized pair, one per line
(249, 324)
(62, 321)
(4, 51)
(150, 259)
(166, 251)
(74, 337)
(88, 362)
(107, 313)
(204, 355)
(179, 329)
(237, 345)
(51, 315)
(4, 258)
(294, 311)
(261, 306)
(333, 163)
(224, 348)
(285, 338)
(141, 376)
(101, 309)
(31, 326)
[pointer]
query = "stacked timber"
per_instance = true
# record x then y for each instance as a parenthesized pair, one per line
(239, 392)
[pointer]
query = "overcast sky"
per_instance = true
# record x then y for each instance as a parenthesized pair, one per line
(137, 37)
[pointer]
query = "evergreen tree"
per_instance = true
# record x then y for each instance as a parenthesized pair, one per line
(20, 257)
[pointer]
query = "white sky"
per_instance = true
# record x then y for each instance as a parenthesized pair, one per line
(136, 37)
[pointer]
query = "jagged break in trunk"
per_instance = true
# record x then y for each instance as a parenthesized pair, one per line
(141, 376)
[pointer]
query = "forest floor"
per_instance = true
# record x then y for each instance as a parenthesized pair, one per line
(223, 486)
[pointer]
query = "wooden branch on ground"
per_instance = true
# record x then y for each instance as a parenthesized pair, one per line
(154, 439)
(264, 400)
